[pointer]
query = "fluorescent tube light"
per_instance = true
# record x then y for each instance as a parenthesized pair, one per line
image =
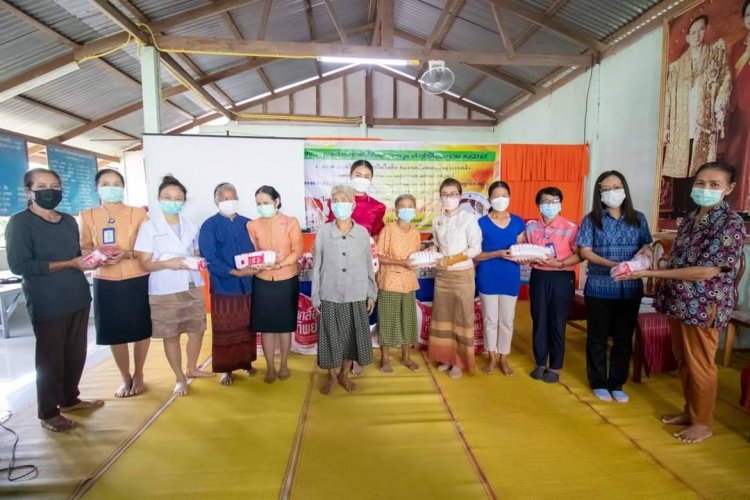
(28, 85)
(360, 60)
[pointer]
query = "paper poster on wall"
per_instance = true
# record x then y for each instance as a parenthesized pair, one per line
(400, 167)
(14, 162)
(77, 171)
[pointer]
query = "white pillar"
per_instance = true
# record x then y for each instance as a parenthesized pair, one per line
(151, 90)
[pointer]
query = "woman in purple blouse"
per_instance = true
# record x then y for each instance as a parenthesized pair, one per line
(697, 293)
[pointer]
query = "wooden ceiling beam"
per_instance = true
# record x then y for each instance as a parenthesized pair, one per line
(386, 12)
(432, 122)
(171, 65)
(503, 30)
(45, 142)
(540, 18)
(335, 20)
(476, 83)
(260, 102)
(444, 23)
(532, 28)
(265, 16)
(266, 81)
(312, 50)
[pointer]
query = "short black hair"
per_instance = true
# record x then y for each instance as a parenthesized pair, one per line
(106, 171)
(496, 185)
(550, 190)
(744, 8)
(170, 180)
(28, 177)
(450, 181)
(702, 17)
(362, 163)
(270, 191)
(721, 166)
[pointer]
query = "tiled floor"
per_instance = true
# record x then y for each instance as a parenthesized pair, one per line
(17, 361)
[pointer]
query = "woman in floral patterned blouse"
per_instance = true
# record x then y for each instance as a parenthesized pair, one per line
(697, 293)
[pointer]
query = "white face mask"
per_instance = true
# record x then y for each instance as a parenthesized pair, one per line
(500, 204)
(360, 184)
(613, 198)
(450, 203)
(229, 207)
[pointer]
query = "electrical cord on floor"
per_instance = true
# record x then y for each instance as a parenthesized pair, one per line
(31, 471)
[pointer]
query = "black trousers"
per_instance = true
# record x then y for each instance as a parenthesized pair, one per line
(60, 357)
(614, 318)
(551, 295)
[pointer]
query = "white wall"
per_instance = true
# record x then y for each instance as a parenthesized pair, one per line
(621, 128)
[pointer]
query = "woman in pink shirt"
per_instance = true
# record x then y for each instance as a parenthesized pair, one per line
(552, 283)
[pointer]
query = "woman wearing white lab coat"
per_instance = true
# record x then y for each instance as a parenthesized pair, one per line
(175, 290)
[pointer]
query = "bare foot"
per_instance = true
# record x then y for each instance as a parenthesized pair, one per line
(327, 386)
(347, 384)
(180, 389)
(678, 419)
(284, 373)
(226, 379)
(196, 373)
(357, 370)
(385, 367)
(124, 390)
(505, 367)
(83, 405)
(490, 367)
(252, 372)
(270, 377)
(694, 434)
(407, 362)
(58, 424)
(138, 387)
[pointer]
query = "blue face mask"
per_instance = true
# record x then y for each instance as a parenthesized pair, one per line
(111, 194)
(551, 210)
(342, 210)
(266, 210)
(407, 214)
(706, 197)
(171, 207)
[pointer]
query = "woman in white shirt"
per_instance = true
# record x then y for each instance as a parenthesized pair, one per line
(175, 291)
(457, 236)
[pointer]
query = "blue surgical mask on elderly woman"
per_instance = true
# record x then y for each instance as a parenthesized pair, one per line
(342, 210)
(706, 197)
(407, 214)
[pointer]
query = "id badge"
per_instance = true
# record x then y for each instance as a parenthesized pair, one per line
(552, 250)
(108, 236)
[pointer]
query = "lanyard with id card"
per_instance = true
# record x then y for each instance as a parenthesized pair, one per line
(108, 236)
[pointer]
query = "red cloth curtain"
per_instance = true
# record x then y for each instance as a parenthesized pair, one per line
(527, 168)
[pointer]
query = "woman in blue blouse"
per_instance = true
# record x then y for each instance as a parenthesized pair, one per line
(611, 233)
(499, 279)
(222, 236)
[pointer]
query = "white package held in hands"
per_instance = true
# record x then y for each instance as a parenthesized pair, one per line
(527, 250)
(255, 259)
(192, 263)
(425, 259)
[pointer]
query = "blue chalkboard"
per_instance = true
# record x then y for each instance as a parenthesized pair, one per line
(77, 171)
(14, 162)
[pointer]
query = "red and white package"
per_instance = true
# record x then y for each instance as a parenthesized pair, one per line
(255, 259)
(639, 263)
(192, 263)
(374, 251)
(425, 259)
(100, 255)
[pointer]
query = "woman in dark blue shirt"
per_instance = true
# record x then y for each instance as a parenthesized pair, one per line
(222, 236)
(611, 233)
(499, 279)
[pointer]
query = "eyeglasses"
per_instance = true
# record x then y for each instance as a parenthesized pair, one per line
(608, 189)
(549, 202)
(450, 195)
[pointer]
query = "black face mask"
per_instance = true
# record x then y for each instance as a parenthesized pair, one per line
(48, 199)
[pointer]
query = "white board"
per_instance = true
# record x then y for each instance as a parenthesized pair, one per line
(202, 162)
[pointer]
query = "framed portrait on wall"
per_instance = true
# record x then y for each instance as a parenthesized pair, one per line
(705, 97)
